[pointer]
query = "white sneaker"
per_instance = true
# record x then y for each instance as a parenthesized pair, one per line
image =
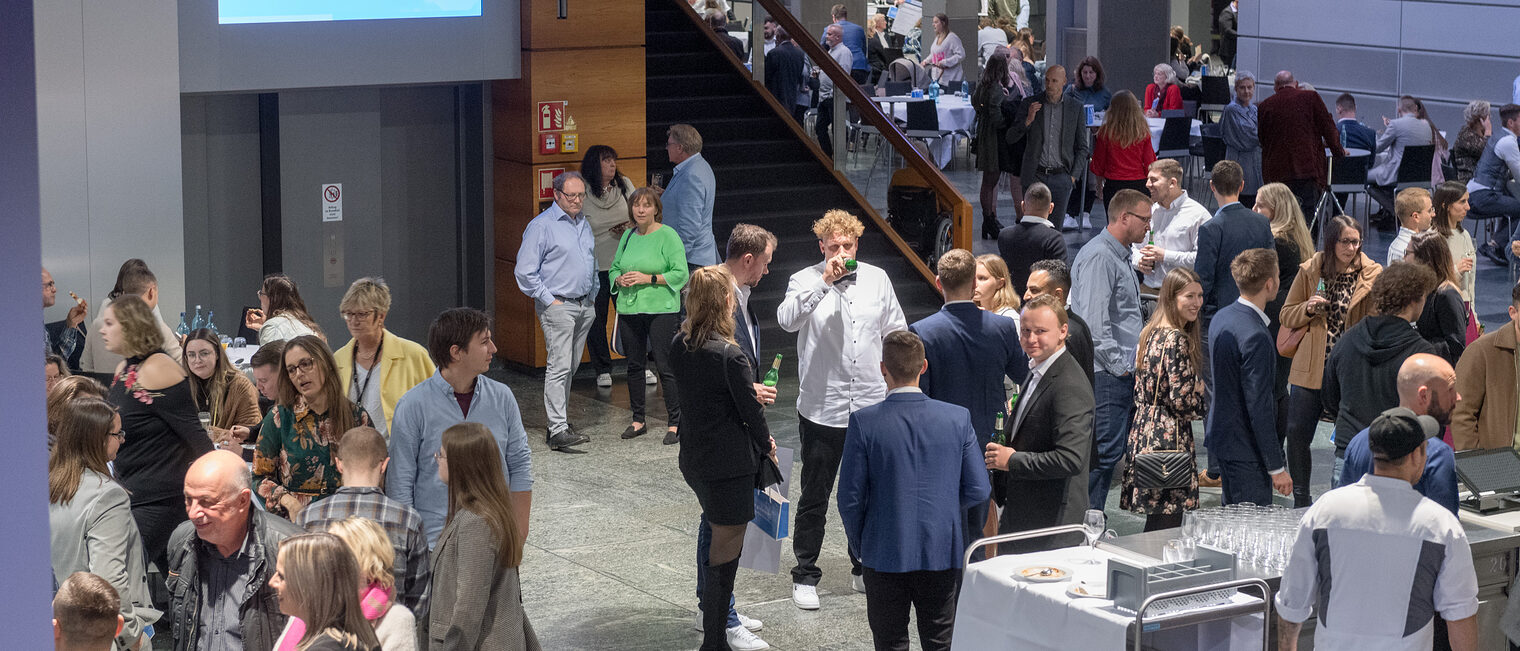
(604, 380)
(754, 625)
(649, 377)
(859, 583)
(805, 596)
(740, 639)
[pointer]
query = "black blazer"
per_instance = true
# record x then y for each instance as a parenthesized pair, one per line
(1022, 245)
(783, 73)
(1079, 343)
(1232, 230)
(1046, 482)
(723, 430)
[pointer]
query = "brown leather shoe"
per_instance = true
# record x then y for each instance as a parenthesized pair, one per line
(1205, 481)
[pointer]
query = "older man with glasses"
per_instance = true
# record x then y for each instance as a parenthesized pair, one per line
(556, 267)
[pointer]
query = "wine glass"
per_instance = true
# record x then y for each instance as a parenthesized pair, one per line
(1094, 522)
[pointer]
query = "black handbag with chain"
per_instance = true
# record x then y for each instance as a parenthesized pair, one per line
(1162, 469)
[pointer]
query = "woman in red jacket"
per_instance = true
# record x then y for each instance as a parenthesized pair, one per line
(1122, 152)
(1164, 93)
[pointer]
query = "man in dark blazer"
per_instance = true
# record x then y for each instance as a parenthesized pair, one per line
(1242, 422)
(909, 449)
(1353, 132)
(1229, 19)
(1049, 435)
(1053, 277)
(1295, 130)
(1031, 240)
(969, 350)
(1056, 163)
(784, 75)
(1233, 229)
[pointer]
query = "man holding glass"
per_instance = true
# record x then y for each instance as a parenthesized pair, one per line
(1048, 437)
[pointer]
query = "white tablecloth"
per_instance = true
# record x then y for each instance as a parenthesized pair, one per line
(955, 114)
(997, 612)
(239, 354)
(1156, 124)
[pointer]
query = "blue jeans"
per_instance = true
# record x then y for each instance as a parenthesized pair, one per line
(704, 545)
(1336, 470)
(1115, 397)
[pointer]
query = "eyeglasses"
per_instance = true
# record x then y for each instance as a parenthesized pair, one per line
(49, 284)
(119, 435)
(262, 294)
(1346, 241)
(205, 354)
(358, 316)
(302, 367)
(1144, 218)
(569, 195)
(440, 456)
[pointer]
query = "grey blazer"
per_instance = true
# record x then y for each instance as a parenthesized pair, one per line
(1402, 132)
(475, 606)
(94, 532)
(1075, 145)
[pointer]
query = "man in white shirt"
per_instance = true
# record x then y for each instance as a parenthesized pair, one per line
(1415, 213)
(833, 36)
(1175, 218)
(841, 318)
(1392, 558)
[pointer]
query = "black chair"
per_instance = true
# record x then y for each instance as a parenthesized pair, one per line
(1348, 176)
(898, 88)
(923, 121)
(1414, 167)
(1216, 95)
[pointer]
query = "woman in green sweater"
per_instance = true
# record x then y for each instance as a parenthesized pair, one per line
(648, 272)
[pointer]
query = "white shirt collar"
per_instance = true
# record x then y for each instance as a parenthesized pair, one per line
(1177, 203)
(1242, 300)
(1042, 367)
(905, 389)
(1031, 219)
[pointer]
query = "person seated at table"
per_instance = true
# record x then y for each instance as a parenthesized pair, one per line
(282, 315)
(264, 366)
(1122, 149)
(1477, 127)
(405, 363)
(1427, 388)
(1049, 435)
(65, 390)
(1354, 134)
(1163, 93)
(1237, 127)
(293, 463)
(909, 449)
(219, 389)
(1405, 130)
(1087, 85)
(1186, 56)
(1486, 190)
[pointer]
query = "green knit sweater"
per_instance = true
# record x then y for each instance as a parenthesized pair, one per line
(658, 253)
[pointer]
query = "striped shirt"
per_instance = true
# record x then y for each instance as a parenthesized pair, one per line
(1375, 561)
(402, 525)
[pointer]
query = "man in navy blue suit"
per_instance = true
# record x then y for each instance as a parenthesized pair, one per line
(909, 450)
(1234, 228)
(969, 351)
(1242, 422)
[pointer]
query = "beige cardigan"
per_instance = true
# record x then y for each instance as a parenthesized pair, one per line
(1309, 362)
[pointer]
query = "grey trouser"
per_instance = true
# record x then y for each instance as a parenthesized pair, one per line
(565, 329)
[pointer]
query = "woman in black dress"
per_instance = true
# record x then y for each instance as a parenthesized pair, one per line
(723, 434)
(164, 435)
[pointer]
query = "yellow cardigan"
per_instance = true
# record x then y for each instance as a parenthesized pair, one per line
(406, 365)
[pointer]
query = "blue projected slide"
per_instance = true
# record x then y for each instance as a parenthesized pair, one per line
(295, 11)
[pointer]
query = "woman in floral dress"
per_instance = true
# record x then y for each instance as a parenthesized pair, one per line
(294, 462)
(1168, 398)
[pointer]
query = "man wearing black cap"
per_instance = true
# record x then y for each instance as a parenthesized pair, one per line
(1427, 387)
(1392, 559)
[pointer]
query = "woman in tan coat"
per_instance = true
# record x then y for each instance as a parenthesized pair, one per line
(1329, 295)
(219, 389)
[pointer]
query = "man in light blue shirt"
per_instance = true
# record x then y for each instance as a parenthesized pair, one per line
(556, 267)
(1106, 294)
(460, 344)
(688, 197)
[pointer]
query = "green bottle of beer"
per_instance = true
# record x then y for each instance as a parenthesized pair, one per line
(997, 430)
(850, 264)
(1150, 237)
(1321, 288)
(774, 375)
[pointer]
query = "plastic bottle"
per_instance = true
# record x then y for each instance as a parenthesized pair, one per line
(197, 323)
(965, 89)
(184, 328)
(209, 325)
(774, 375)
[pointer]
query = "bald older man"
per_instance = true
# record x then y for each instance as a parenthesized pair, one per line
(1296, 129)
(220, 562)
(1428, 387)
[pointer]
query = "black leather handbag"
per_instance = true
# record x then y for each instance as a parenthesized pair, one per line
(1161, 469)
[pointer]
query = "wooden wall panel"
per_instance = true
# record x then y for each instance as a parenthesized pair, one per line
(607, 105)
(518, 337)
(591, 23)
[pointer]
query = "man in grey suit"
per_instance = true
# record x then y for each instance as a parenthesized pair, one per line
(1406, 130)
(1057, 147)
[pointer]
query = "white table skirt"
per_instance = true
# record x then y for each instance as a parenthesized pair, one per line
(955, 114)
(1195, 130)
(997, 612)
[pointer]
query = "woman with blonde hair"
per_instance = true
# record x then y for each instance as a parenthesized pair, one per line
(1169, 396)
(1164, 93)
(1122, 151)
(994, 287)
(152, 394)
(476, 601)
(219, 389)
(395, 625)
(315, 576)
(375, 351)
(293, 463)
(1290, 237)
(90, 515)
(725, 439)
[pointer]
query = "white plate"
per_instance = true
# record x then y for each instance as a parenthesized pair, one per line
(1061, 573)
(1092, 590)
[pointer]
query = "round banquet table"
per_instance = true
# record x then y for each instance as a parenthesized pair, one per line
(955, 114)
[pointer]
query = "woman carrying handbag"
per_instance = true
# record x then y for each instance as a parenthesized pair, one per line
(1160, 479)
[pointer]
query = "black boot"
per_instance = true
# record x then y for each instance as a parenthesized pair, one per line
(718, 588)
(990, 227)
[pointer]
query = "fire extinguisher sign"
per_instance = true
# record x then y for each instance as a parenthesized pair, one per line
(551, 116)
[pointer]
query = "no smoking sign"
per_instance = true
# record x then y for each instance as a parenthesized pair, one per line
(332, 202)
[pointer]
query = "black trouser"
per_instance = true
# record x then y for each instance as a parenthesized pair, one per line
(931, 595)
(1244, 481)
(640, 333)
(821, 125)
(1159, 521)
(1303, 419)
(1307, 192)
(156, 522)
(596, 342)
(860, 76)
(822, 448)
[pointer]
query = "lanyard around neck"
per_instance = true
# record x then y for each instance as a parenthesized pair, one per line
(370, 375)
